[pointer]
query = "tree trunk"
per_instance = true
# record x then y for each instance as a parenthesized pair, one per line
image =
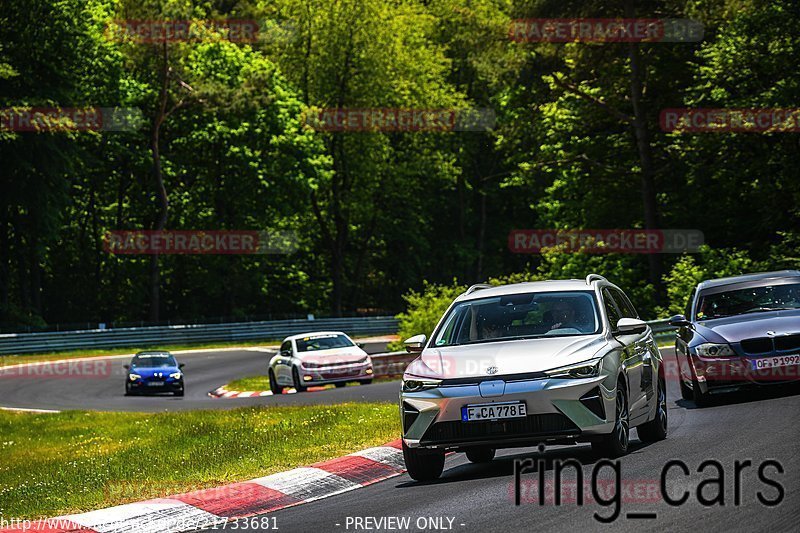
(642, 135)
(161, 219)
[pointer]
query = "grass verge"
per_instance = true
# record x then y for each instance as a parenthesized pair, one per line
(55, 464)
(261, 383)
(6, 360)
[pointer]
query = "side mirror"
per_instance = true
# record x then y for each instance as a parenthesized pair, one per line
(630, 326)
(126, 367)
(415, 344)
(181, 365)
(360, 345)
(679, 321)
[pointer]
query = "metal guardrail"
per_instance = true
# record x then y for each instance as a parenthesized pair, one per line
(27, 343)
(394, 363)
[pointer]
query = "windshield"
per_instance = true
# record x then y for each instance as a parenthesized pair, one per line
(749, 300)
(520, 316)
(154, 361)
(322, 342)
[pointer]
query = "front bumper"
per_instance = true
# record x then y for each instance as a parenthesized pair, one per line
(146, 385)
(734, 373)
(558, 410)
(335, 374)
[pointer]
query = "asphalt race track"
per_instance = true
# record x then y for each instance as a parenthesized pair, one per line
(100, 386)
(755, 426)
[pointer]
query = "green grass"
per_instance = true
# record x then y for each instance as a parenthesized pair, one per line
(261, 383)
(54, 464)
(57, 356)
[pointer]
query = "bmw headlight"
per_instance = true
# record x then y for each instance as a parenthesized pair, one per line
(414, 384)
(587, 369)
(134, 377)
(714, 350)
(176, 375)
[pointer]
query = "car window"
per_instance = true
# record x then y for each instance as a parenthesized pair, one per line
(751, 299)
(286, 347)
(515, 316)
(154, 361)
(625, 305)
(322, 342)
(612, 309)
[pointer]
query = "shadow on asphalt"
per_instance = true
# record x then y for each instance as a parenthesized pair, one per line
(755, 394)
(504, 466)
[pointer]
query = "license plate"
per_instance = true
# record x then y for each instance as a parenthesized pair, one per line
(775, 362)
(155, 384)
(493, 411)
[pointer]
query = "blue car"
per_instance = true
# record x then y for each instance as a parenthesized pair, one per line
(737, 332)
(154, 372)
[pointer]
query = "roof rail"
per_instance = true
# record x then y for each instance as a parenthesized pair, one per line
(592, 277)
(477, 287)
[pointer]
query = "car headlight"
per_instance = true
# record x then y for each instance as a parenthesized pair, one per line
(419, 384)
(176, 375)
(134, 377)
(587, 369)
(714, 350)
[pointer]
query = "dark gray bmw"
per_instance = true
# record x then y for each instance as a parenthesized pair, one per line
(739, 331)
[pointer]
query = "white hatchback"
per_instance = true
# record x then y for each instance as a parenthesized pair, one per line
(318, 358)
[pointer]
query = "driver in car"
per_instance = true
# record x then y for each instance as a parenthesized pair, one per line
(563, 314)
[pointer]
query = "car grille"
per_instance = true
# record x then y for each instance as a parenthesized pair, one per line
(788, 342)
(765, 345)
(545, 425)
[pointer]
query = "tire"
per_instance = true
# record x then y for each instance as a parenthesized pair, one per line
(128, 390)
(340, 384)
(298, 385)
(273, 384)
(686, 392)
(701, 399)
(178, 393)
(656, 429)
(366, 382)
(423, 465)
(480, 455)
(615, 444)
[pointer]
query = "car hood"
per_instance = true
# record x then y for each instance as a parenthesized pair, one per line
(739, 327)
(350, 354)
(149, 372)
(508, 357)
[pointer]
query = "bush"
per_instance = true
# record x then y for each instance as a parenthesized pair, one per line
(424, 310)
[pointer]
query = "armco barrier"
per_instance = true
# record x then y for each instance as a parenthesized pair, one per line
(22, 343)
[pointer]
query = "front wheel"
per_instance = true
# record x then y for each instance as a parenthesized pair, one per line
(656, 429)
(273, 384)
(178, 393)
(340, 384)
(366, 382)
(686, 392)
(615, 444)
(298, 385)
(701, 399)
(423, 465)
